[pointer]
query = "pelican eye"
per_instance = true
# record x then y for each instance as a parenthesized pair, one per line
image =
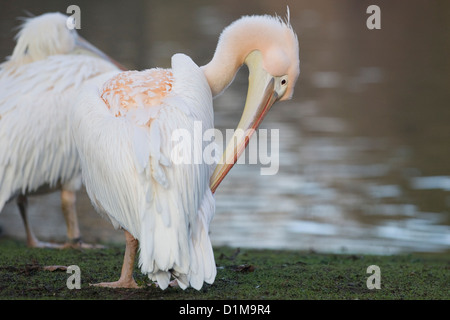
(283, 80)
(281, 84)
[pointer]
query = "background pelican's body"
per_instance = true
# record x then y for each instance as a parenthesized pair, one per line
(38, 84)
(131, 178)
(36, 147)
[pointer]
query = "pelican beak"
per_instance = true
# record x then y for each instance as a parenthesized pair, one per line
(261, 96)
(83, 46)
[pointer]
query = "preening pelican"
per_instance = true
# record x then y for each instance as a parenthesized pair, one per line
(38, 84)
(123, 131)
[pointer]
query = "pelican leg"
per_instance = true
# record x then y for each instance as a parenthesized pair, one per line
(126, 279)
(68, 199)
(32, 241)
(68, 206)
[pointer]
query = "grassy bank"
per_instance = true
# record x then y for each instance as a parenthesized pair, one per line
(241, 274)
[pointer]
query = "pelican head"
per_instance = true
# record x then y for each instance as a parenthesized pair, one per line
(269, 48)
(49, 34)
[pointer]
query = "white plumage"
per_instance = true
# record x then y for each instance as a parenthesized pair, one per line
(130, 177)
(123, 128)
(38, 84)
(35, 140)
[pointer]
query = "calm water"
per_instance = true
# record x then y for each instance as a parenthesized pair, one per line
(364, 153)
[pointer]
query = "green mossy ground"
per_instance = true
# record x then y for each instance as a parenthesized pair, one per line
(241, 274)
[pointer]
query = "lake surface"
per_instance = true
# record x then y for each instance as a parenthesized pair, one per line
(363, 145)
